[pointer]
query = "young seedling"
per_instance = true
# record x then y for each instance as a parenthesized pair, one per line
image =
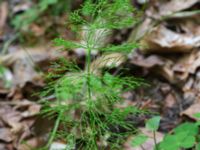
(84, 104)
(184, 136)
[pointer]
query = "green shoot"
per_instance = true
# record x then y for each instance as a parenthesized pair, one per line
(83, 101)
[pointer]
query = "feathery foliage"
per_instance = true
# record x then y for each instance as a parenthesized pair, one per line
(84, 104)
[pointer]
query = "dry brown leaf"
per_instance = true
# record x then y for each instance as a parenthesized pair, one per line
(167, 72)
(163, 40)
(24, 61)
(188, 63)
(33, 54)
(12, 118)
(24, 72)
(193, 109)
(160, 9)
(147, 62)
(6, 135)
(173, 6)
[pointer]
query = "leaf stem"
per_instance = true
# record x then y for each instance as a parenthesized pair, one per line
(154, 138)
(88, 57)
(52, 136)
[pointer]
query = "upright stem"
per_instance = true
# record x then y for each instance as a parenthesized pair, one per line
(155, 142)
(90, 43)
(53, 134)
(88, 62)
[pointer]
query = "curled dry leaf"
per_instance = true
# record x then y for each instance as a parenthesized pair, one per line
(188, 63)
(161, 9)
(158, 64)
(146, 62)
(163, 40)
(173, 6)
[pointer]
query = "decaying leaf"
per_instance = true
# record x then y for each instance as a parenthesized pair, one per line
(167, 8)
(35, 54)
(160, 9)
(163, 40)
(12, 118)
(6, 135)
(147, 62)
(193, 109)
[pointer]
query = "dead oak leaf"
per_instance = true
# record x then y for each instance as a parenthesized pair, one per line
(6, 135)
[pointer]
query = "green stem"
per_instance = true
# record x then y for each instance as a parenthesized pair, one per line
(154, 138)
(52, 136)
(88, 57)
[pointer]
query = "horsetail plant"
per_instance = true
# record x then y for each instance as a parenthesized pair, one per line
(84, 105)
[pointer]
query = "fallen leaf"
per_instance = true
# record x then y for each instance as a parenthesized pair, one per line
(147, 62)
(161, 9)
(163, 40)
(175, 6)
(6, 135)
(11, 117)
(193, 109)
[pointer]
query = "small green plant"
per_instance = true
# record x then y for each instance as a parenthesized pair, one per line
(56, 7)
(184, 136)
(84, 104)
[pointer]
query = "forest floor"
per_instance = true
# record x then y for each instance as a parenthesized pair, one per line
(168, 60)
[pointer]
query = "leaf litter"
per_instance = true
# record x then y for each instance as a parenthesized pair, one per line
(169, 58)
